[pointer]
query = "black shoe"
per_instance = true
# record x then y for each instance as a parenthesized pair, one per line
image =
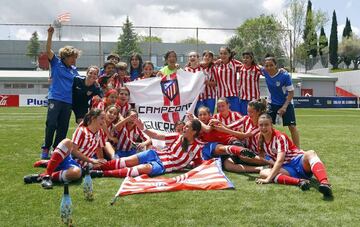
(96, 173)
(46, 182)
(248, 153)
(33, 178)
(326, 190)
(304, 185)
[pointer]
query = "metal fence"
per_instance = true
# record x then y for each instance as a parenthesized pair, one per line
(97, 41)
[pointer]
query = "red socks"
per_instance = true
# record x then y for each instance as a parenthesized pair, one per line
(113, 164)
(284, 179)
(319, 171)
(234, 150)
(56, 158)
(121, 173)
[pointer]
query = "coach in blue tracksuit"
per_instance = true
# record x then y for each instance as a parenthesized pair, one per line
(281, 94)
(63, 71)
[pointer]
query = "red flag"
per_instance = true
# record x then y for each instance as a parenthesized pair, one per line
(64, 17)
(207, 176)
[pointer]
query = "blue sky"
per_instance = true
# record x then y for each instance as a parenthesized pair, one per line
(346, 8)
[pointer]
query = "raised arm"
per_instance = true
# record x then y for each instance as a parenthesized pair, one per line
(151, 133)
(49, 52)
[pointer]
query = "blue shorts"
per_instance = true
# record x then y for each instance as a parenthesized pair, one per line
(152, 158)
(296, 169)
(208, 151)
(234, 102)
(67, 163)
(209, 103)
(122, 154)
(243, 106)
(288, 117)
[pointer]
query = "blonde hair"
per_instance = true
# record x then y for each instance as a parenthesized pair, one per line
(68, 51)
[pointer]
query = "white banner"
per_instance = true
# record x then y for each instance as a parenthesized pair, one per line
(33, 100)
(161, 102)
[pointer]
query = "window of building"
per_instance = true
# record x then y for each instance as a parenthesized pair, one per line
(19, 86)
(7, 86)
(30, 86)
(45, 86)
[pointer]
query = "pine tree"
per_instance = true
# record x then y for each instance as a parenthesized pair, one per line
(347, 29)
(127, 41)
(323, 44)
(33, 48)
(333, 46)
(347, 33)
(310, 37)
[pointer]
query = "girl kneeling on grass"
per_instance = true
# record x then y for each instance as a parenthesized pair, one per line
(292, 166)
(87, 140)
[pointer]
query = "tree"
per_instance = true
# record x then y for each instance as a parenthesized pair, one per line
(333, 46)
(191, 40)
(350, 48)
(127, 41)
(294, 20)
(261, 35)
(147, 39)
(33, 48)
(347, 29)
(310, 37)
(347, 32)
(323, 48)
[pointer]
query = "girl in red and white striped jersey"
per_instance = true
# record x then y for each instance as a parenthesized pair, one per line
(123, 101)
(208, 97)
(184, 147)
(226, 77)
(110, 98)
(111, 117)
(292, 166)
(225, 115)
(246, 129)
(88, 139)
(130, 138)
(194, 66)
(249, 81)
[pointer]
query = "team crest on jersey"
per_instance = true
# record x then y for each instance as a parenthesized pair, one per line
(277, 83)
(170, 88)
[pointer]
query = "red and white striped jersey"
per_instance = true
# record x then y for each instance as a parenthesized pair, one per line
(246, 125)
(280, 142)
(120, 82)
(210, 92)
(174, 158)
(192, 70)
(88, 141)
(127, 138)
(249, 82)
(123, 109)
(232, 117)
(226, 78)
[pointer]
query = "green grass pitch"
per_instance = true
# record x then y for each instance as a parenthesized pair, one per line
(333, 134)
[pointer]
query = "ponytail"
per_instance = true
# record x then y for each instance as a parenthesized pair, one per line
(88, 118)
